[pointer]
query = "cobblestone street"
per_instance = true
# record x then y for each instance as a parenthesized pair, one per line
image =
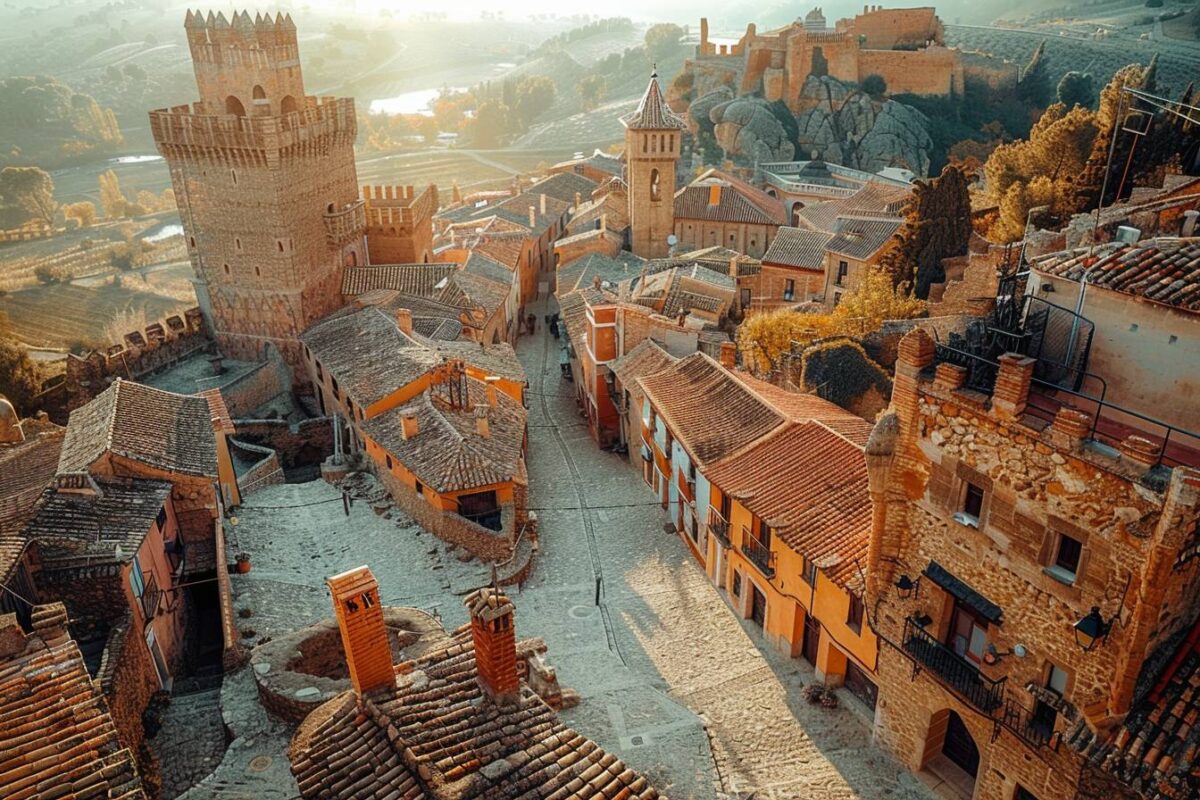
(669, 678)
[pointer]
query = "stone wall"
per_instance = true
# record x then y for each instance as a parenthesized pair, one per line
(142, 352)
(259, 386)
(305, 443)
(481, 542)
(92, 594)
(993, 72)
(128, 680)
(266, 471)
(933, 71)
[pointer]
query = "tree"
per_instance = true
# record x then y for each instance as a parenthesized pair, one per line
(31, 190)
(937, 227)
(83, 211)
(662, 40)
(20, 378)
(491, 123)
(763, 338)
(1033, 86)
(874, 85)
(111, 198)
(535, 95)
(592, 91)
(1077, 89)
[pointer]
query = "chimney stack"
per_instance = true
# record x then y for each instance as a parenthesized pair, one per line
(364, 635)
(733, 267)
(495, 643)
(578, 201)
(603, 223)
(543, 204)
(729, 355)
(491, 382)
(481, 420)
(408, 426)
(714, 194)
(404, 321)
(532, 217)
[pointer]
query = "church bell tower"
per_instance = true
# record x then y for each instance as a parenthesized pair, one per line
(653, 139)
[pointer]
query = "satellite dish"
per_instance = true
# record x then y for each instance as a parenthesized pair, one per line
(672, 240)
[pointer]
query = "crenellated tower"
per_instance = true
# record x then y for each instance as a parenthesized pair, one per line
(265, 180)
(653, 140)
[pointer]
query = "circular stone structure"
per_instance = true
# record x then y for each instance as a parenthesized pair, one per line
(299, 671)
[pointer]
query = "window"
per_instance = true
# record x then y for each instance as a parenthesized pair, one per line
(1023, 794)
(420, 489)
(1044, 713)
(655, 185)
(968, 634)
(389, 461)
(1066, 559)
(226, 268)
(843, 270)
(809, 572)
(789, 290)
(136, 581)
(161, 520)
(737, 584)
(854, 617)
(972, 506)
(746, 298)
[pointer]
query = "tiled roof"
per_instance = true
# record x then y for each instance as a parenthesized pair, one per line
(736, 202)
(431, 319)
(470, 290)
(1166, 271)
(59, 738)
(873, 201)
(711, 412)
(479, 264)
(564, 186)
(810, 485)
(495, 359)
(1156, 750)
(803, 407)
(418, 279)
(503, 251)
(368, 354)
(582, 272)
(653, 113)
(438, 723)
(861, 238)
(71, 523)
(26, 468)
(613, 209)
(594, 233)
(648, 358)
(516, 210)
(717, 259)
(447, 453)
(599, 160)
(796, 247)
(160, 429)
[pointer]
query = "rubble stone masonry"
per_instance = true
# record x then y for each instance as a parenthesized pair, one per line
(1040, 483)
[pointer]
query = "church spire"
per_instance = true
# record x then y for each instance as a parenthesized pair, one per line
(652, 112)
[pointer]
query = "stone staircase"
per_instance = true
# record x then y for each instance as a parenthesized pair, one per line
(192, 739)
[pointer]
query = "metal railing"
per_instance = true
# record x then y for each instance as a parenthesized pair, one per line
(1022, 723)
(718, 526)
(758, 553)
(952, 670)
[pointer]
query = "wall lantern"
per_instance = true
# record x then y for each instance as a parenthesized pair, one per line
(1090, 629)
(906, 587)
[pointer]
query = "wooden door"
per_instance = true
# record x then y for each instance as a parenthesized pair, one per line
(758, 606)
(812, 639)
(959, 747)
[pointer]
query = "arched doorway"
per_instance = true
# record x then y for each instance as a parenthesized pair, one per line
(234, 106)
(796, 213)
(287, 105)
(951, 753)
(259, 93)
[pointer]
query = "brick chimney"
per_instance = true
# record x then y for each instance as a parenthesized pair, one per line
(532, 216)
(404, 321)
(1012, 385)
(481, 420)
(578, 201)
(714, 194)
(729, 355)
(491, 381)
(495, 643)
(364, 636)
(542, 203)
(408, 426)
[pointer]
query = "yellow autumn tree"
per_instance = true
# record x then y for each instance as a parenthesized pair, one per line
(763, 338)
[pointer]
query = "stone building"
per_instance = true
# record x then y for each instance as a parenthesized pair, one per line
(719, 210)
(653, 142)
(857, 245)
(456, 723)
(904, 46)
(266, 184)
(793, 269)
(60, 740)
(399, 223)
(1025, 562)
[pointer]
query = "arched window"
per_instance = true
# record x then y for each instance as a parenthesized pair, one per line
(288, 104)
(655, 188)
(352, 259)
(234, 106)
(259, 93)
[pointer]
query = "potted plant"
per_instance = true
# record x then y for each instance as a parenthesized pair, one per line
(243, 562)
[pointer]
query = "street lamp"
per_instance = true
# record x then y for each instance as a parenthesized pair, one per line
(1090, 629)
(906, 587)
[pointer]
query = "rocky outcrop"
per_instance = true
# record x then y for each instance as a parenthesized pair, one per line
(746, 128)
(843, 125)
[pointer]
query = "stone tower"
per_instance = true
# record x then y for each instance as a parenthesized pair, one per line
(266, 185)
(653, 138)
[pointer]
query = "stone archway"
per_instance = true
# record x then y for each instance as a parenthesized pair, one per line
(234, 106)
(287, 105)
(795, 215)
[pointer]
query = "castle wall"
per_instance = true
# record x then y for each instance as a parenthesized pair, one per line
(886, 29)
(933, 71)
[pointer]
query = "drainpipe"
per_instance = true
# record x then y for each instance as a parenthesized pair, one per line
(1083, 283)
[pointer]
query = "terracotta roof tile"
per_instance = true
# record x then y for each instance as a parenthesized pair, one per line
(59, 738)
(652, 112)
(564, 186)
(861, 238)
(495, 359)
(581, 272)
(809, 484)
(736, 202)
(161, 429)
(368, 354)
(442, 726)
(447, 453)
(416, 279)
(111, 523)
(26, 469)
(648, 358)
(1166, 271)
(796, 247)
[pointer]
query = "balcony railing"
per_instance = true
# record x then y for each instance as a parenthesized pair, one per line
(718, 526)
(1021, 721)
(758, 553)
(951, 669)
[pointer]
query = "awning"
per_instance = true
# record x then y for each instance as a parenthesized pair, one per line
(964, 593)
